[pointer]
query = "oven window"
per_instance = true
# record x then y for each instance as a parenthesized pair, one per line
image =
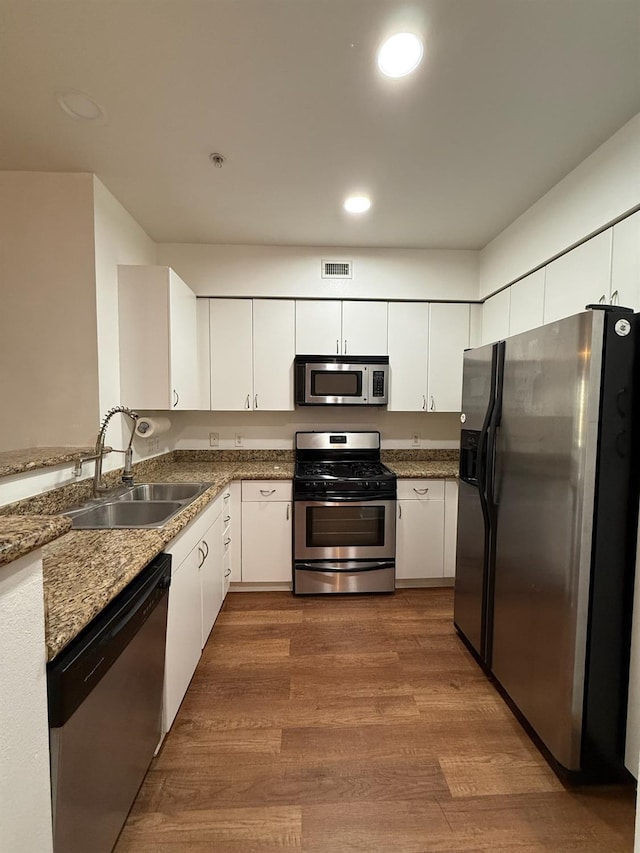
(345, 526)
(336, 383)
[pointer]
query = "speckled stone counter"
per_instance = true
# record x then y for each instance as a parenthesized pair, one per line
(422, 464)
(85, 569)
(33, 458)
(20, 535)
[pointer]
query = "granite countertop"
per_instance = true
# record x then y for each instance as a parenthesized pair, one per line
(19, 535)
(33, 458)
(85, 569)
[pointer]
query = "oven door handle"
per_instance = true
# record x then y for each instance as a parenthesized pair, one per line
(333, 498)
(352, 567)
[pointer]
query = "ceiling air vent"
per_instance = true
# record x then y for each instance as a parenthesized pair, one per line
(336, 269)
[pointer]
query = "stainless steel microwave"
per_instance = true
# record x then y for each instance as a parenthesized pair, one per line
(331, 380)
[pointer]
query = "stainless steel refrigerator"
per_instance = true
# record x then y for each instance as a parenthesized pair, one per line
(546, 530)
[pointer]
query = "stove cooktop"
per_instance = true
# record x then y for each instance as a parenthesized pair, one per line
(354, 470)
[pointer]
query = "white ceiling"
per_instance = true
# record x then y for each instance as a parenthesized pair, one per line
(511, 95)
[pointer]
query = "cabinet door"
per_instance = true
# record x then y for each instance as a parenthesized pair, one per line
(183, 335)
(579, 278)
(420, 539)
(266, 541)
(526, 310)
(625, 263)
(450, 527)
(231, 347)
(448, 339)
(408, 347)
(211, 576)
(318, 326)
(274, 345)
(495, 317)
(364, 328)
(184, 634)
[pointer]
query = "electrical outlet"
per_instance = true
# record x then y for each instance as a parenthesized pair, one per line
(214, 439)
(416, 440)
(238, 440)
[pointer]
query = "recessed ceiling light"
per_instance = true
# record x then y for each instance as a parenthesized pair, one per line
(79, 105)
(399, 55)
(357, 204)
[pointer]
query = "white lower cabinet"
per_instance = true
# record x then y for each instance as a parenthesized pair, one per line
(420, 529)
(266, 531)
(195, 598)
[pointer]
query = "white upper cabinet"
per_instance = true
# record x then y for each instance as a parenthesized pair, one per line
(495, 317)
(579, 278)
(526, 310)
(364, 328)
(274, 338)
(331, 327)
(625, 263)
(158, 339)
(231, 343)
(448, 339)
(408, 352)
(318, 326)
(251, 354)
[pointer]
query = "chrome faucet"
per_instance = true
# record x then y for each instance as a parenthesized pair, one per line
(100, 452)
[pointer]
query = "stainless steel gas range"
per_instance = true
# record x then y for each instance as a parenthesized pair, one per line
(344, 515)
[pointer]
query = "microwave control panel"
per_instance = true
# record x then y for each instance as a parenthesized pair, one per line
(378, 383)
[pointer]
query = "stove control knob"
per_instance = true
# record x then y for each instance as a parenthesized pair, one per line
(376, 485)
(366, 485)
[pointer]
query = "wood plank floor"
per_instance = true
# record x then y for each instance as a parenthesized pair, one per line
(335, 725)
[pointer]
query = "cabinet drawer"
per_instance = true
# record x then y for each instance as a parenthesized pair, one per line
(420, 490)
(266, 490)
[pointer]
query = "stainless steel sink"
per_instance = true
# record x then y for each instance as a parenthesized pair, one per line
(126, 514)
(143, 505)
(163, 492)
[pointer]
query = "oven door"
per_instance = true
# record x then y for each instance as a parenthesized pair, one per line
(345, 530)
(335, 384)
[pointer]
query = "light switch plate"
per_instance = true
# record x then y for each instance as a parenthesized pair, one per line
(238, 440)
(214, 439)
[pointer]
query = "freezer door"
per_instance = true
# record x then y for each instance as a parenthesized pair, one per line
(545, 481)
(477, 387)
(473, 534)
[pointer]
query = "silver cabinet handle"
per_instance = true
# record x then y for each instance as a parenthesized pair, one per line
(201, 552)
(206, 545)
(227, 573)
(337, 346)
(424, 402)
(420, 491)
(287, 512)
(227, 542)
(176, 397)
(226, 497)
(432, 405)
(615, 298)
(399, 510)
(226, 518)
(255, 402)
(247, 404)
(345, 346)
(267, 492)
(602, 299)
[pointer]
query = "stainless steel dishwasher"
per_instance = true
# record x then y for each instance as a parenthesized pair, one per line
(105, 712)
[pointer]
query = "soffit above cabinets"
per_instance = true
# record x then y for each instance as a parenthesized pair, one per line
(510, 96)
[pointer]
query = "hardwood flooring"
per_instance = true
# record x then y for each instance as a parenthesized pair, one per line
(336, 725)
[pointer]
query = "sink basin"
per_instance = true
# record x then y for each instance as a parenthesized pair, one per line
(125, 514)
(164, 492)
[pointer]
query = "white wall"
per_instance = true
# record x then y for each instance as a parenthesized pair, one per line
(292, 271)
(118, 240)
(601, 189)
(48, 348)
(25, 793)
(190, 430)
